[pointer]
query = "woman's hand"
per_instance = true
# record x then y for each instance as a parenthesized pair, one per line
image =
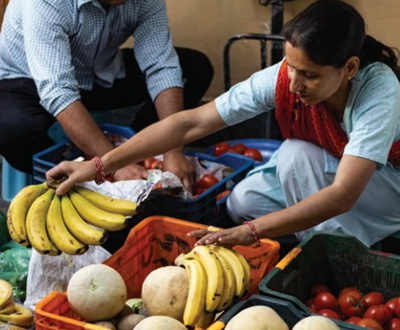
(176, 162)
(239, 235)
(66, 174)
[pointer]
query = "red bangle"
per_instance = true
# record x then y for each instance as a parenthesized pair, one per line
(100, 173)
(253, 233)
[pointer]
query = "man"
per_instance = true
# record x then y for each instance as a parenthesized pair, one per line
(60, 60)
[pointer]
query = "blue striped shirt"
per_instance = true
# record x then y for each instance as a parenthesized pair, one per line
(67, 45)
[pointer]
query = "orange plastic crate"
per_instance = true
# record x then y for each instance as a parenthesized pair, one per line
(154, 242)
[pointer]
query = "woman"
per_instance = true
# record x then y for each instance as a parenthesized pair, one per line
(337, 103)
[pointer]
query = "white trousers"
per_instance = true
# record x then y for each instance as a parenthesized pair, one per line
(300, 171)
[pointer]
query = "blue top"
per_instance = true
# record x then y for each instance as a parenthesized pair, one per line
(371, 118)
(67, 45)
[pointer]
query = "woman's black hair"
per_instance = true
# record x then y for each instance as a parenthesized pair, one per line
(331, 31)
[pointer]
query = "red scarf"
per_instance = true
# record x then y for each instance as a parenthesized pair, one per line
(313, 123)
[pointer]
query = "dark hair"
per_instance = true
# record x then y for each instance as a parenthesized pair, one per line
(331, 31)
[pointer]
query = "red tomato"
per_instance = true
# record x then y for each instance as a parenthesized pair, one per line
(348, 289)
(239, 148)
(147, 162)
(198, 191)
(393, 324)
(394, 305)
(221, 148)
(353, 319)
(351, 303)
(325, 300)
(329, 313)
(374, 298)
(253, 153)
(223, 194)
(207, 180)
(232, 150)
(376, 313)
(317, 289)
(371, 324)
(156, 164)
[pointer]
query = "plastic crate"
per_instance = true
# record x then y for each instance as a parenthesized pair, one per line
(66, 150)
(203, 208)
(265, 146)
(153, 243)
(335, 260)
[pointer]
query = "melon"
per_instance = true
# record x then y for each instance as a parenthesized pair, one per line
(96, 292)
(160, 322)
(165, 291)
(316, 322)
(257, 318)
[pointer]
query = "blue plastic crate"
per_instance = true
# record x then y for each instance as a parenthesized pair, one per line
(12, 181)
(204, 208)
(265, 146)
(66, 150)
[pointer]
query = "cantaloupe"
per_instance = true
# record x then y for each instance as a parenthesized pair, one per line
(165, 291)
(160, 322)
(257, 318)
(96, 292)
(316, 322)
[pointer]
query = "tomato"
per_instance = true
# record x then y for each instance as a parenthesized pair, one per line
(156, 164)
(376, 313)
(393, 324)
(394, 305)
(239, 148)
(207, 181)
(374, 298)
(325, 300)
(198, 191)
(368, 323)
(317, 289)
(351, 303)
(348, 289)
(147, 162)
(353, 319)
(329, 313)
(221, 148)
(253, 153)
(223, 194)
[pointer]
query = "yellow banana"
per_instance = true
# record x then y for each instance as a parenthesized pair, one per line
(22, 316)
(96, 216)
(18, 210)
(107, 203)
(6, 293)
(9, 308)
(205, 320)
(36, 222)
(246, 268)
(215, 275)
(229, 290)
(197, 291)
(78, 227)
(58, 232)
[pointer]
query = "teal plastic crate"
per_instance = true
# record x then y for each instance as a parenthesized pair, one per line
(337, 261)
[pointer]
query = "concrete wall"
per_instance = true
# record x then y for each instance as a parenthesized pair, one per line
(206, 25)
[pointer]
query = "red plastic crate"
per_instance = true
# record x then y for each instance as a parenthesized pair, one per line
(154, 242)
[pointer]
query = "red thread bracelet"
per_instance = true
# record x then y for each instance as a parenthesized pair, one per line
(253, 233)
(100, 173)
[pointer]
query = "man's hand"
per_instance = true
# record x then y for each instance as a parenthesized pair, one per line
(131, 172)
(176, 162)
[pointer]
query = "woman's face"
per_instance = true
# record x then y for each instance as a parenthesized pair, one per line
(313, 83)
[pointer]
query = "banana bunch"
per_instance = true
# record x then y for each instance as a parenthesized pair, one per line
(11, 312)
(218, 277)
(70, 223)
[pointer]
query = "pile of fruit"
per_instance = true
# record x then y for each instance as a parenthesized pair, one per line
(238, 148)
(52, 224)
(11, 312)
(369, 310)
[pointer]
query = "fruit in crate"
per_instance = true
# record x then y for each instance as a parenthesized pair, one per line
(238, 148)
(159, 322)
(96, 292)
(315, 323)
(218, 277)
(52, 224)
(257, 318)
(11, 312)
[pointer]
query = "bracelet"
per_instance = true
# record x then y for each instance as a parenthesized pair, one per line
(100, 173)
(254, 233)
